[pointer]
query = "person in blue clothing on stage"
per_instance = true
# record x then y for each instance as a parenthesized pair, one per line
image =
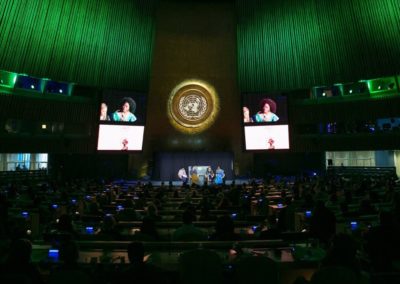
(219, 175)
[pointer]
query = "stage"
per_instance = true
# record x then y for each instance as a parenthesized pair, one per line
(167, 164)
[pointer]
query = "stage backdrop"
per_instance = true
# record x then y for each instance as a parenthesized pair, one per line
(167, 164)
(193, 40)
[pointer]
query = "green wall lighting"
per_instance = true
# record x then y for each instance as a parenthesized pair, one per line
(296, 44)
(383, 86)
(7, 79)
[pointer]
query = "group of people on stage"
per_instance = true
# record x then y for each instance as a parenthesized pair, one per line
(210, 176)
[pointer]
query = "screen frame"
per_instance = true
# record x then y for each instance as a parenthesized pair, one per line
(119, 151)
(288, 122)
(100, 100)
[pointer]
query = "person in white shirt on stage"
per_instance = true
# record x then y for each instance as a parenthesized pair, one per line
(182, 175)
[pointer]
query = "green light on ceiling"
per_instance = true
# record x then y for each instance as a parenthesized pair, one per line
(8, 79)
(382, 86)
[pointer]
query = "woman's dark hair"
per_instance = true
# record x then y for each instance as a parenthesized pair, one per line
(271, 103)
(130, 101)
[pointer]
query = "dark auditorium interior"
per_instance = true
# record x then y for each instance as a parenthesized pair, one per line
(199, 141)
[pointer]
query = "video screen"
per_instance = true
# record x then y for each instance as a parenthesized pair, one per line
(265, 121)
(266, 137)
(120, 137)
(121, 121)
(123, 106)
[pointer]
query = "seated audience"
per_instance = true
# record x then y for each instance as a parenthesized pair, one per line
(152, 212)
(69, 270)
(342, 252)
(323, 223)
(366, 208)
(188, 232)
(66, 226)
(381, 244)
(224, 230)
(271, 231)
(18, 267)
(138, 270)
(109, 230)
(148, 230)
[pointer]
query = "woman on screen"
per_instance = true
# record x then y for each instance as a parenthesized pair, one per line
(246, 115)
(103, 112)
(125, 111)
(125, 143)
(270, 143)
(267, 111)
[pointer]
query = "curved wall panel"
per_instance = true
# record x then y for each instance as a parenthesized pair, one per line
(99, 43)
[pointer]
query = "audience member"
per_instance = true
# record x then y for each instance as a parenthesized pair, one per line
(18, 267)
(323, 223)
(381, 243)
(139, 271)
(342, 252)
(188, 232)
(109, 229)
(224, 230)
(271, 231)
(148, 231)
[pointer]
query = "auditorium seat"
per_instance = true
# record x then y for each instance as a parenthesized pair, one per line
(335, 275)
(11, 278)
(200, 266)
(256, 269)
(69, 276)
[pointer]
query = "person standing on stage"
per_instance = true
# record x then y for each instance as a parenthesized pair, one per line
(182, 175)
(219, 175)
(209, 175)
(194, 176)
